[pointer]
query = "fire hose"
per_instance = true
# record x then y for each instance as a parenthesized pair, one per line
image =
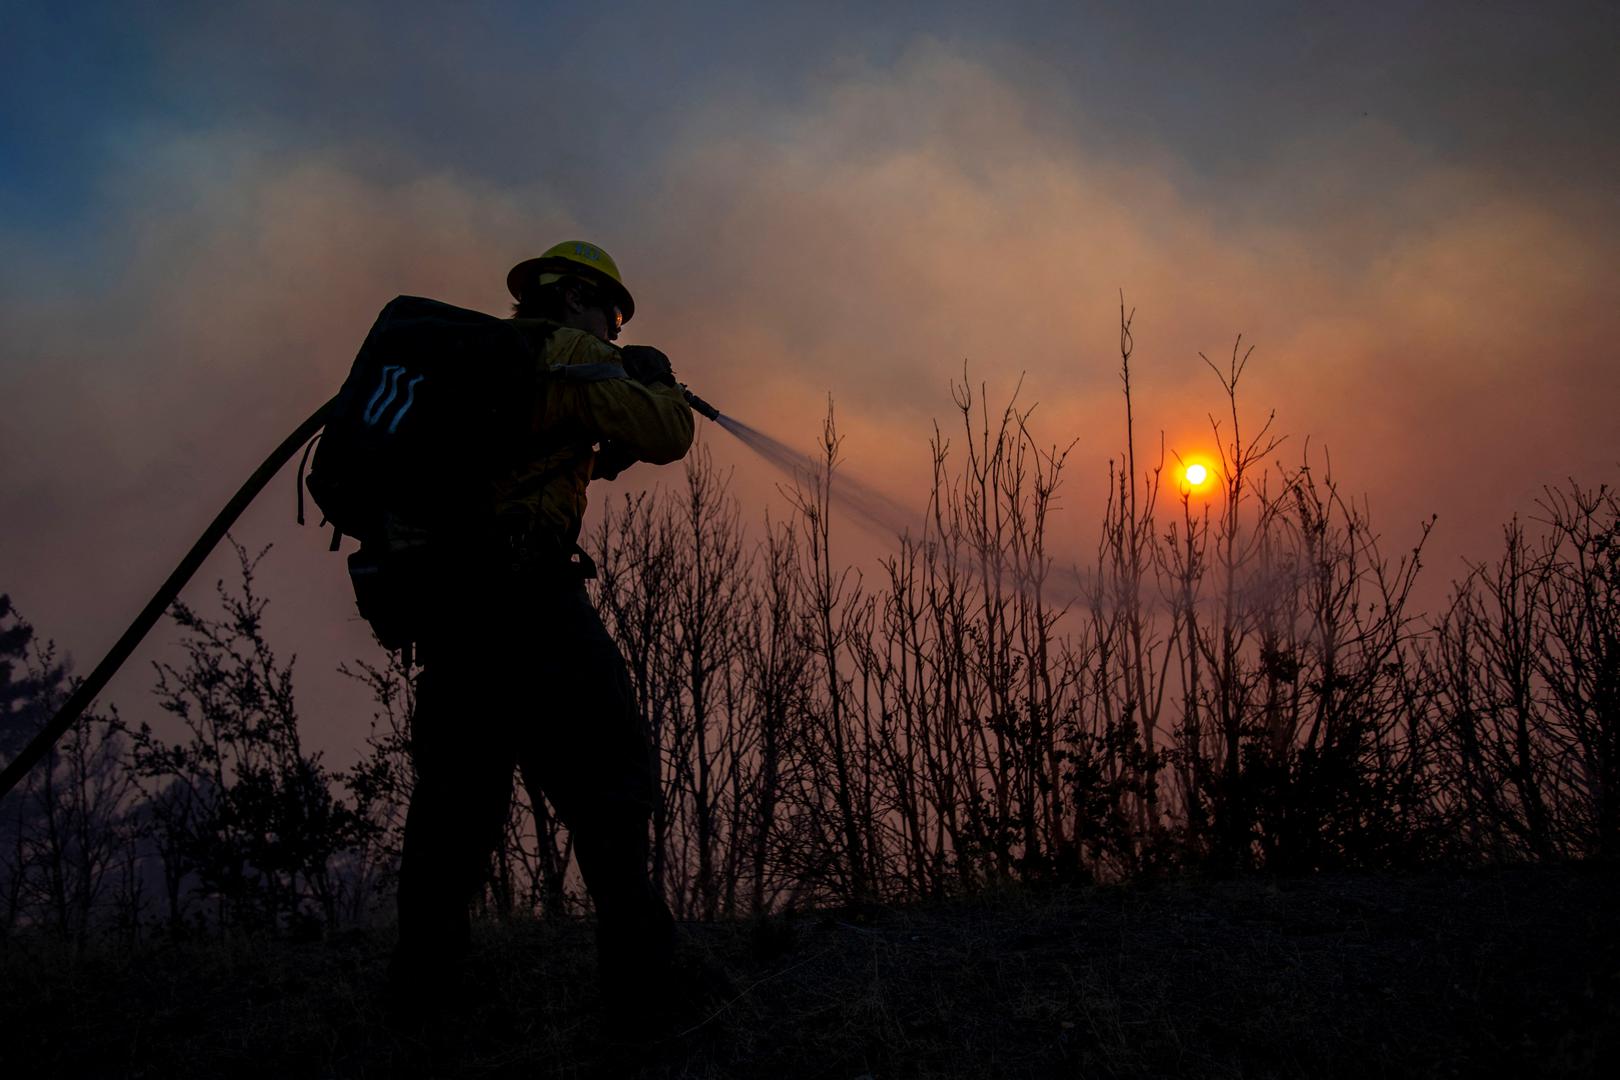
(86, 691)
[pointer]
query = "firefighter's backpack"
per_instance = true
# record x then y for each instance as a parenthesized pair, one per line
(435, 403)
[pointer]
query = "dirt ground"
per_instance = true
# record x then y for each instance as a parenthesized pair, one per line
(1507, 972)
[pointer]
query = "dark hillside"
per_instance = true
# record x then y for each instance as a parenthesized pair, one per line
(1504, 972)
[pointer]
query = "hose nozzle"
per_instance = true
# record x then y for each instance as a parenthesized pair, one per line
(699, 405)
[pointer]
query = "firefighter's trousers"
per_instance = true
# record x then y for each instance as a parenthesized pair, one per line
(530, 678)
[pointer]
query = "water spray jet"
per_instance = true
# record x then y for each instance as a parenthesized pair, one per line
(866, 504)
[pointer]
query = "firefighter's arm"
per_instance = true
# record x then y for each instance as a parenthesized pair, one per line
(643, 421)
(646, 423)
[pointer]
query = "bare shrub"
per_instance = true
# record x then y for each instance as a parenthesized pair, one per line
(1525, 663)
(67, 848)
(244, 819)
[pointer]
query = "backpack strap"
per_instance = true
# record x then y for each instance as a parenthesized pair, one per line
(303, 464)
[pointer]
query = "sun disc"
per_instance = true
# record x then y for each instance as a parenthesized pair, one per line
(1196, 475)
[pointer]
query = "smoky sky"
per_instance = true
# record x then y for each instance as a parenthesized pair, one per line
(1407, 209)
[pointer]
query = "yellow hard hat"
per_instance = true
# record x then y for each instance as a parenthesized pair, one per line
(571, 258)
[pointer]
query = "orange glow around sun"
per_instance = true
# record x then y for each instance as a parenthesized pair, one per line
(1195, 475)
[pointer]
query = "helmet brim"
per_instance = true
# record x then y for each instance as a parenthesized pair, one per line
(521, 279)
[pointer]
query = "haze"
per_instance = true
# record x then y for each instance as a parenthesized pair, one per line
(1409, 210)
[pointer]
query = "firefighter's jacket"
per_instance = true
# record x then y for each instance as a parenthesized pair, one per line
(572, 417)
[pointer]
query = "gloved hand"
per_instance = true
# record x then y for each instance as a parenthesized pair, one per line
(611, 460)
(648, 365)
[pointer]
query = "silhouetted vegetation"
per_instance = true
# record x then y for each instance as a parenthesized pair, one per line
(244, 821)
(1229, 684)
(1226, 683)
(68, 833)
